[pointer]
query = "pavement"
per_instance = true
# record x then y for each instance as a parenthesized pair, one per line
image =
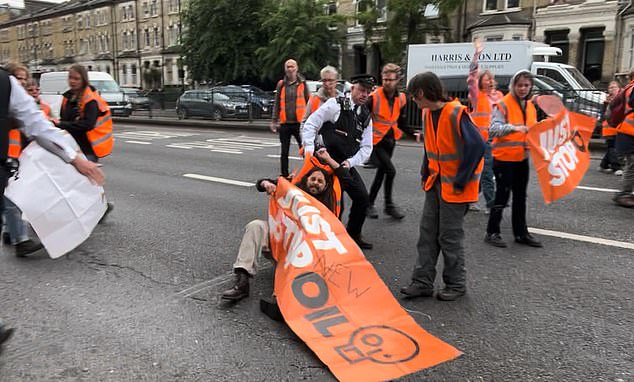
(138, 301)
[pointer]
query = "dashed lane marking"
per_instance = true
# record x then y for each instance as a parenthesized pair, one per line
(597, 189)
(586, 239)
(278, 155)
(219, 180)
(147, 135)
(139, 142)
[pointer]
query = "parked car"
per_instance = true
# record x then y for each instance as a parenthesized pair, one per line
(54, 84)
(260, 102)
(138, 100)
(210, 103)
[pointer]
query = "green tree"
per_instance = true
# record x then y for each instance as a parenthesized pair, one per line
(299, 29)
(220, 38)
(406, 24)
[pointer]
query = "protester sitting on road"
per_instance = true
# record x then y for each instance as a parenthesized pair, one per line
(318, 183)
(83, 111)
(16, 230)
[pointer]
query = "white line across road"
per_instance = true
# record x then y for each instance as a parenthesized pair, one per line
(597, 189)
(587, 239)
(139, 142)
(219, 180)
(278, 155)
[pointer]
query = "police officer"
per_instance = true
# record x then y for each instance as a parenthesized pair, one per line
(345, 125)
(16, 104)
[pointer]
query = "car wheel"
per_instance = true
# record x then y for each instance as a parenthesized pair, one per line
(182, 113)
(217, 115)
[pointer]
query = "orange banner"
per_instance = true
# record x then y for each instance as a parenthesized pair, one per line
(559, 148)
(334, 300)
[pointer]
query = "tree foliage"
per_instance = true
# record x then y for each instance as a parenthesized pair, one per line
(220, 38)
(299, 29)
(406, 24)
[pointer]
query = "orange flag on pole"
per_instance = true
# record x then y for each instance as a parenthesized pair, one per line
(559, 148)
(334, 300)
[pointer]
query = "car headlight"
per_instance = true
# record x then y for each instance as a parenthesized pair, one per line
(229, 105)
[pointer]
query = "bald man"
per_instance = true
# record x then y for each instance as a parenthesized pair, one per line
(291, 98)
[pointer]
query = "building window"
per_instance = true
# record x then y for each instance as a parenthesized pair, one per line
(559, 39)
(381, 10)
(147, 37)
(517, 37)
(593, 44)
(490, 5)
(169, 70)
(154, 8)
(146, 9)
(512, 4)
(330, 8)
(133, 73)
(494, 38)
(157, 37)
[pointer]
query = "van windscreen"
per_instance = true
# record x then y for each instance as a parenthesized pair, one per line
(106, 86)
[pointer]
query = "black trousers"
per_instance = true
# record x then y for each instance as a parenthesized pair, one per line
(382, 157)
(610, 159)
(510, 177)
(286, 131)
(355, 188)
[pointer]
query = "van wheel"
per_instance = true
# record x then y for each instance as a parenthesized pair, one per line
(217, 115)
(182, 113)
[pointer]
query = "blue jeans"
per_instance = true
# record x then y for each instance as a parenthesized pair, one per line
(487, 185)
(17, 228)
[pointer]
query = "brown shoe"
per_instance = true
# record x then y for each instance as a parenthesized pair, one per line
(240, 289)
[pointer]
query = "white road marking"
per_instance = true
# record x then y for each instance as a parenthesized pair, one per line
(278, 155)
(179, 147)
(226, 151)
(219, 180)
(597, 189)
(587, 239)
(139, 143)
(151, 135)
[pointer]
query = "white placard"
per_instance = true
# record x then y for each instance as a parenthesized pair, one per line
(61, 205)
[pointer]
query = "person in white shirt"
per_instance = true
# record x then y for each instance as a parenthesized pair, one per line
(344, 126)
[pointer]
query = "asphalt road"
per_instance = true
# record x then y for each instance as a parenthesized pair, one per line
(138, 301)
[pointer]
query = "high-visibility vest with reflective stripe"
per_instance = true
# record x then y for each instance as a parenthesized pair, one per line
(607, 130)
(481, 115)
(46, 109)
(513, 147)
(384, 119)
(15, 144)
(313, 103)
(443, 148)
(100, 137)
(309, 163)
(300, 103)
(627, 126)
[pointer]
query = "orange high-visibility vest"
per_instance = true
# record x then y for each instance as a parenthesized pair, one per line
(310, 162)
(384, 119)
(481, 115)
(15, 144)
(443, 149)
(46, 109)
(513, 147)
(607, 130)
(627, 126)
(313, 103)
(300, 103)
(100, 137)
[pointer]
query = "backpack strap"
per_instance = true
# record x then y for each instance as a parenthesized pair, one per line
(5, 96)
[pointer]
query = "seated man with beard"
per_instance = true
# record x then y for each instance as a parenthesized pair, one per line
(318, 183)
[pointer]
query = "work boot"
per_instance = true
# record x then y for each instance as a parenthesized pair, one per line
(450, 294)
(271, 309)
(624, 200)
(362, 243)
(26, 247)
(5, 334)
(371, 212)
(6, 238)
(416, 289)
(529, 240)
(240, 288)
(394, 211)
(495, 239)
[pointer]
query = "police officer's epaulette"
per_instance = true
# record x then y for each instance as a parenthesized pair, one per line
(344, 103)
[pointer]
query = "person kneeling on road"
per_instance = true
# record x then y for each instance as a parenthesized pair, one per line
(318, 183)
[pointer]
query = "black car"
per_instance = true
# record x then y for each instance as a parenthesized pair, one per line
(260, 102)
(210, 104)
(137, 99)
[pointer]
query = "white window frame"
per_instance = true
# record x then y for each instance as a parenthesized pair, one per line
(506, 5)
(484, 7)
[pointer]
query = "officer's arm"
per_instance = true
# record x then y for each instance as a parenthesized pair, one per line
(34, 124)
(365, 149)
(473, 149)
(326, 113)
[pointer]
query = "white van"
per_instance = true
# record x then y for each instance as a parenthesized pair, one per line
(54, 84)
(451, 61)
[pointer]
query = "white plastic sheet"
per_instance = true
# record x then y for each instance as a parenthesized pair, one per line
(61, 205)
